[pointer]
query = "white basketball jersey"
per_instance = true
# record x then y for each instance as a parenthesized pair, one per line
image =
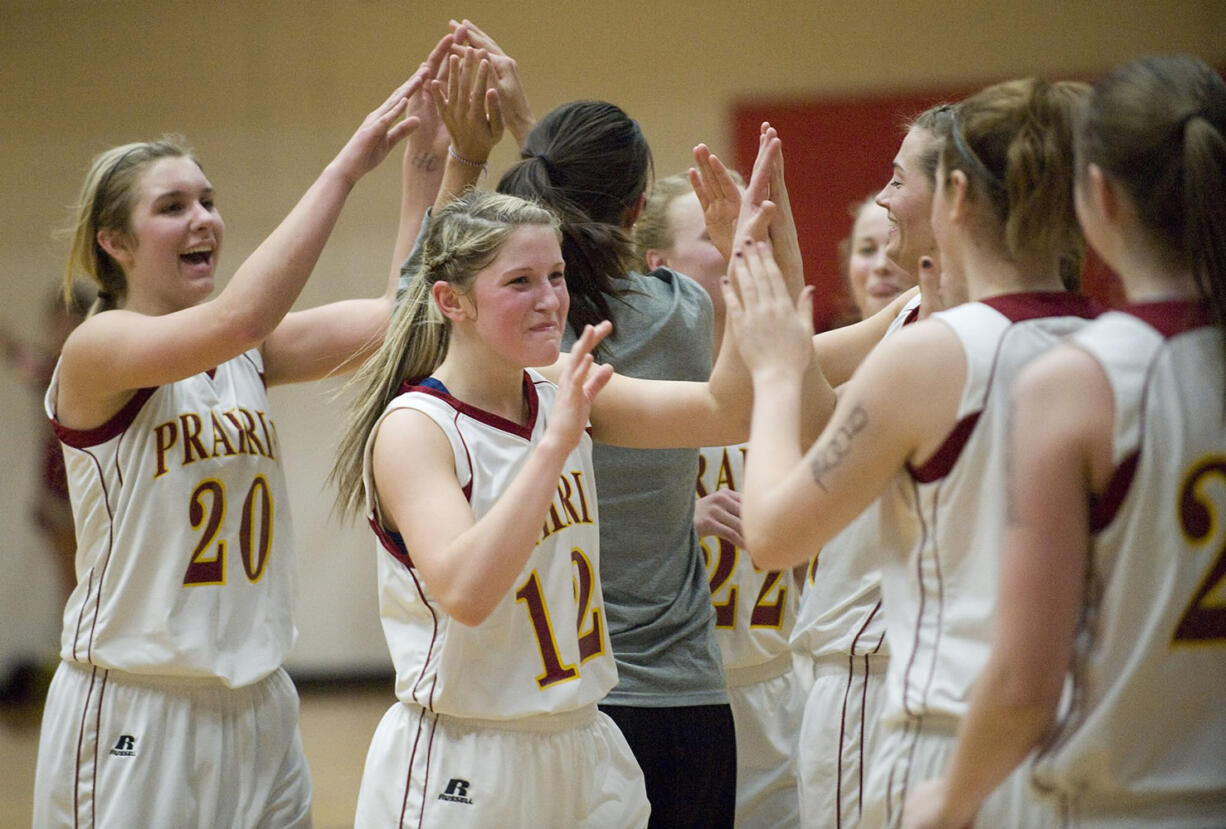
(1147, 729)
(840, 610)
(942, 523)
(545, 647)
(754, 609)
(185, 556)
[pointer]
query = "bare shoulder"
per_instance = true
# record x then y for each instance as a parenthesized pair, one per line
(408, 430)
(401, 488)
(920, 354)
(1065, 380)
(1063, 404)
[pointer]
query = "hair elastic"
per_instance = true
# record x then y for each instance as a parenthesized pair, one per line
(970, 158)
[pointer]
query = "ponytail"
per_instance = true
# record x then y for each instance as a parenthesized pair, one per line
(589, 163)
(1204, 205)
(1014, 143)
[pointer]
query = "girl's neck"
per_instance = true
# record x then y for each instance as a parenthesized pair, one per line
(491, 386)
(988, 276)
(1148, 277)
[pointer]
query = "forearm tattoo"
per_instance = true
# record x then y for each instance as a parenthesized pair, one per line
(838, 447)
(427, 162)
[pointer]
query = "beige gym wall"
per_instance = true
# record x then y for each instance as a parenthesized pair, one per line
(268, 91)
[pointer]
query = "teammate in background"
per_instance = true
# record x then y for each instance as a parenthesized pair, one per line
(33, 362)
(1113, 545)
(839, 635)
(1002, 215)
(175, 633)
(590, 162)
(754, 609)
(874, 280)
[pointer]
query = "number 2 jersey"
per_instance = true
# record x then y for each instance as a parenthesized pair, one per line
(545, 647)
(184, 546)
(1145, 740)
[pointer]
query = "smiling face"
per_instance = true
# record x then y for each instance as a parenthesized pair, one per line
(908, 200)
(169, 252)
(517, 303)
(875, 279)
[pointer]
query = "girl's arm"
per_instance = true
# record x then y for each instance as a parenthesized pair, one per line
(337, 337)
(1059, 452)
(113, 353)
(516, 113)
(662, 414)
(425, 157)
(472, 111)
(470, 564)
(897, 408)
(840, 350)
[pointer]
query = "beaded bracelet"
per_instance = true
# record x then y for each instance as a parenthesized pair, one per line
(451, 152)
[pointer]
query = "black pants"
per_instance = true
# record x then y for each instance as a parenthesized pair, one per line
(688, 757)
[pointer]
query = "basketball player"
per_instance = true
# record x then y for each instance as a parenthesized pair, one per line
(1003, 220)
(1113, 562)
(170, 707)
(754, 609)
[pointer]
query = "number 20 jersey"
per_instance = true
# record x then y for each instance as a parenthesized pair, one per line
(1147, 728)
(184, 546)
(545, 647)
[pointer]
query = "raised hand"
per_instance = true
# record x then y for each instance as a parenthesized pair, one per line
(784, 236)
(379, 132)
(757, 209)
(469, 106)
(517, 115)
(719, 197)
(426, 148)
(580, 381)
(771, 332)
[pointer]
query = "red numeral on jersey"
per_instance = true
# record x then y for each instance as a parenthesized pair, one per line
(764, 613)
(1201, 521)
(589, 622)
(721, 574)
(591, 639)
(207, 509)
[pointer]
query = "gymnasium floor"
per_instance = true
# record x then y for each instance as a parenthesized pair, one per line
(337, 722)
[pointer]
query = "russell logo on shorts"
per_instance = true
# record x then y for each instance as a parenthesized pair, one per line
(456, 791)
(125, 746)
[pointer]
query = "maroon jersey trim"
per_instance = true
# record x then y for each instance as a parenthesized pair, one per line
(1103, 508)
(120, 421)
(1039, 304)
(390, 541)
(943, 459)
(1172, 316)
(488, 418)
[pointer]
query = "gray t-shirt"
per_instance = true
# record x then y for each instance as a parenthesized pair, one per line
(652, 572)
